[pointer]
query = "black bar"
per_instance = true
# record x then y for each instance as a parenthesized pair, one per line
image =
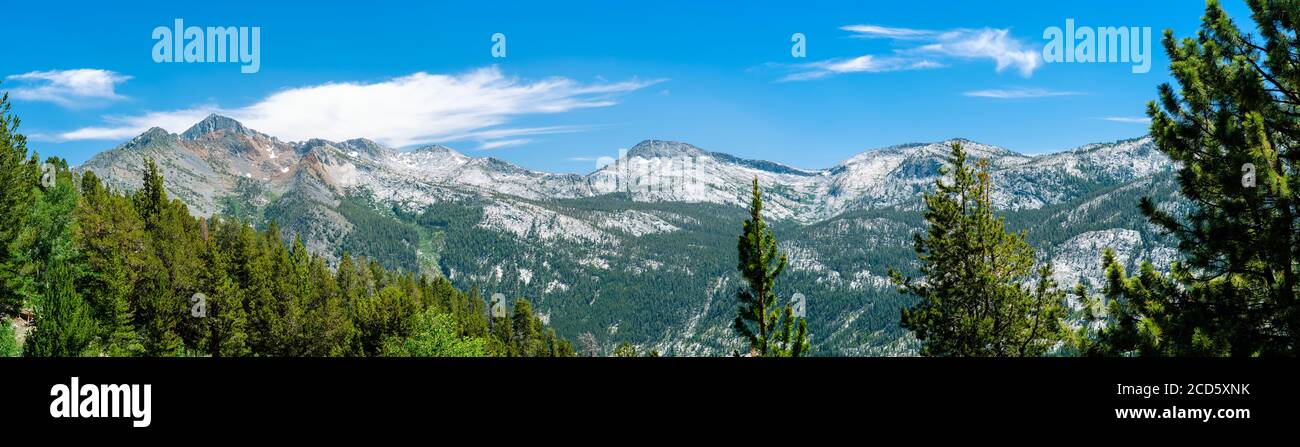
(306, 395)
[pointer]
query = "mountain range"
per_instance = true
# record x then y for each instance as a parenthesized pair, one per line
(642, 249)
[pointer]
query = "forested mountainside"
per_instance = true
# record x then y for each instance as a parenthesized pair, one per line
(641, 250)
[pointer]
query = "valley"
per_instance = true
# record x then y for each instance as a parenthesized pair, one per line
(642, 250)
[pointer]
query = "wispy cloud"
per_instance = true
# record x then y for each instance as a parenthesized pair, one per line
(121, 127)
(602, 160)
(1128, 119)
(932, 49)
(1019, 93)
(496, 144)
(416, 109)
(876, 31)
(860, 64)
(79, 88)
(505, 133)
(994, 44)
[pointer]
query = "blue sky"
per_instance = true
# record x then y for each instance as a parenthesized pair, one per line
(581, 80)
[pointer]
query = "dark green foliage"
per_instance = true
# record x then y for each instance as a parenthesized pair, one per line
(263, 297)
(47, 267)
(113, 274)
(224, 329)
(525, 337)
(158, 313)
(473, 312)
(46, 239)
(19, 175)
(383, 314)
(1235, 291)
(521, 333)
(1131, 319)
(382, 237)
(64, 327)
(108, 228)
(152, 196)
(760, 263)
(647, 305)
(973, 300)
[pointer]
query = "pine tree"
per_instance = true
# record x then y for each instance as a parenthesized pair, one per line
(501, 341)
(168, 272)
(474, 321)
(974, 300)
(19, 176)
(257, 273)
(350, 286)
(552, 345)
(111, 237)
(158, 314)
(526, 336)
(152, 196)
(1233, 129)
(223, 327)
(791, 338)
(1129, 321)
(759, 318)
(329, 324)
(64, 326)
(122, 340)
(46, 238)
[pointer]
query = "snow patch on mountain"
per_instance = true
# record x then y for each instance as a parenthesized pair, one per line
(634, 223)
(1080, 256)
(802, 259)
(531, 221)
(864, 279)
(556, 285)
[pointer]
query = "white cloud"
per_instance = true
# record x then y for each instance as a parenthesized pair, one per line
(415, 109)
(494, 134)
(987, 43)
(860, 64)
(874, 31)
(1019, 93)
(123, 127)
(84, 87)
(494, 144)
(1128, 119)
(935, 49)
